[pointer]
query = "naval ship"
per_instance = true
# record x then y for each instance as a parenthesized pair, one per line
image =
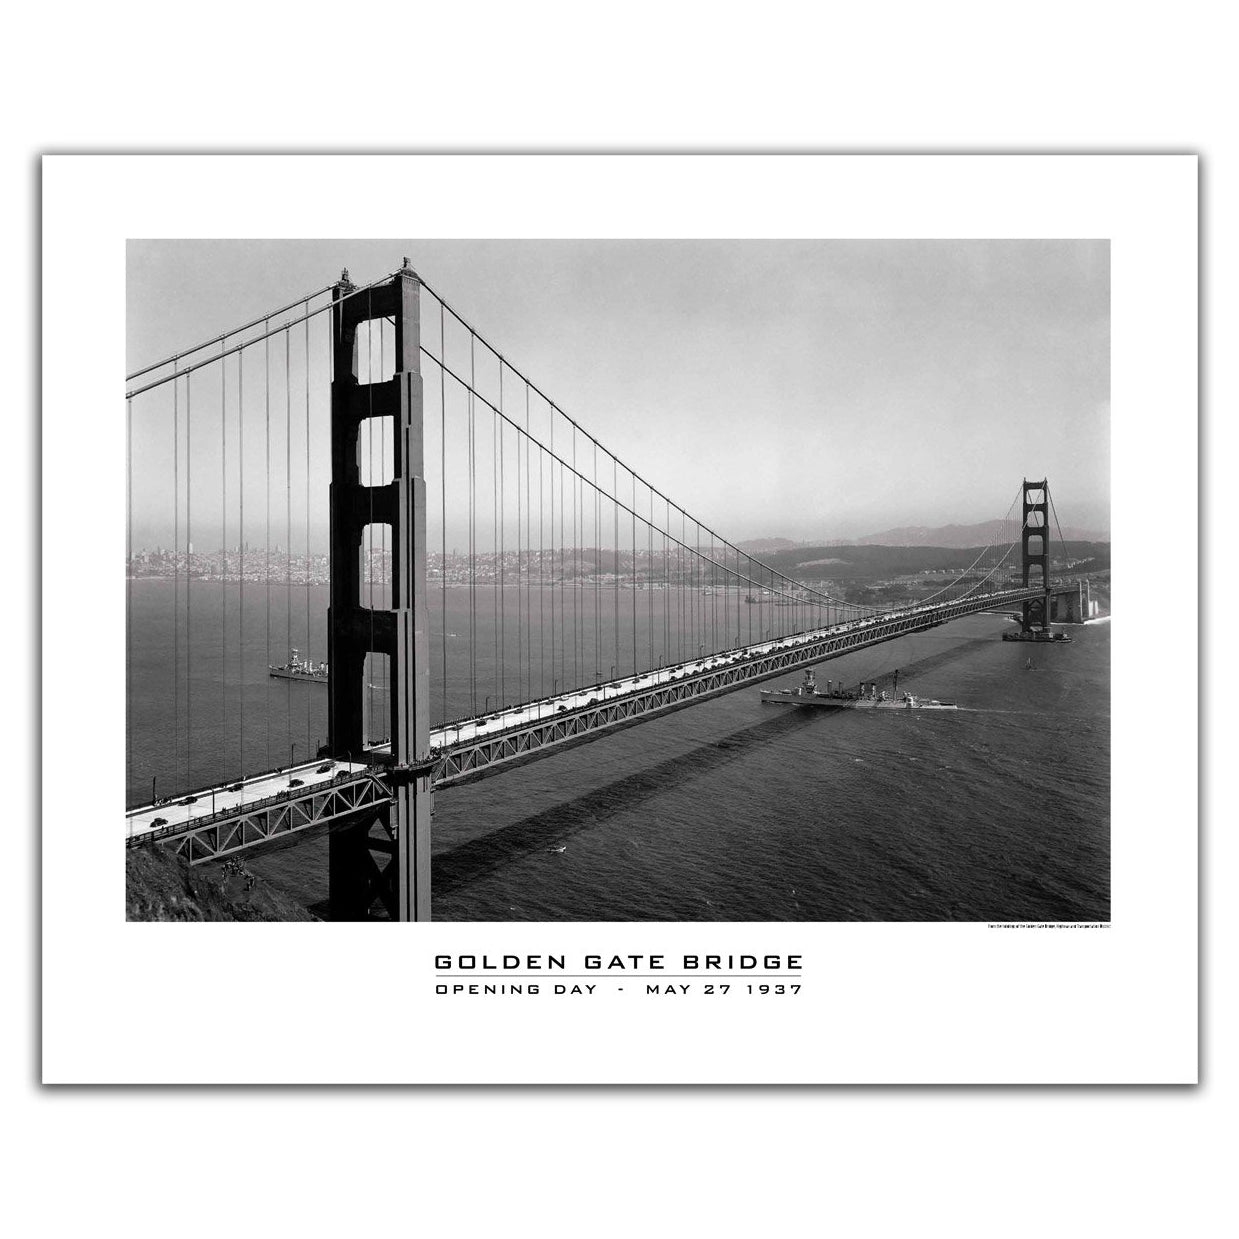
(1040, 635)
(298, 668)
(837, 697)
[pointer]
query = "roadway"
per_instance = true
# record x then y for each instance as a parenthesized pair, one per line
(235, 795)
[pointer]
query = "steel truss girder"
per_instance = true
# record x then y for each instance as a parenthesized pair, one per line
(274, 818)
(473, 759)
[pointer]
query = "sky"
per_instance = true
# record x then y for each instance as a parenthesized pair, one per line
(804, 389)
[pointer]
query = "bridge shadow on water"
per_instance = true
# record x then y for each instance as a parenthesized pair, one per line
(457, 867)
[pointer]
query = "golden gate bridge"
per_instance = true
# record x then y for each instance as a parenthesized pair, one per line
(584, 598)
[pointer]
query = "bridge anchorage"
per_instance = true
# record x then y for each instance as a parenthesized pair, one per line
(624, 606)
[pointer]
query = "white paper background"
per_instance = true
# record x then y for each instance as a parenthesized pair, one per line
(896, 1003)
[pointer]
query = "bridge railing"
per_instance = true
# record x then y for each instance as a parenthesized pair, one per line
(251, 806)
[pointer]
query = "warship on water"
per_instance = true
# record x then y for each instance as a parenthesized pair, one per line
(1040, 636)
(298, 668)
(837, 697)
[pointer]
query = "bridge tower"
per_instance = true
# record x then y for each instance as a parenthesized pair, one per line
(385, 859)
(1036, 554)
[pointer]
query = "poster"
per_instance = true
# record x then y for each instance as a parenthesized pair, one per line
(808, 352)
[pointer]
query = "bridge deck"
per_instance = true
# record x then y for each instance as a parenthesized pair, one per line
(213, 802)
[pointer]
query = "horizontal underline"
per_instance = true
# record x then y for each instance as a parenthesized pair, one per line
(615, 976)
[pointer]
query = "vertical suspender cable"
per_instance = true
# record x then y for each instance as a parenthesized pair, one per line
(695, 596)
(746, 583)
(189, 576)
(739, 600)
(288, 531)
(469, 533)
(529, 552)
(597, 569)
(563, 585)
(551, 462)
(714, 588)
(223, 576)
(129, 595)
(733, 584)
(634, 572)
(649, 580)
(473, 629)
(714, 596)
(497, 566)
(683, 599)
(579, 555)
(443, 498)
(310, 747)
(582, 601)
(176, 583)
(503, 516)
(541, 582)
(266, 366)
(615, 509)
(576, 568)
(574, 578)
(241, 573)
(520, 631)
(667, 585)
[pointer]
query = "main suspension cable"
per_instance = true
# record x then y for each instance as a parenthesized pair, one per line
(236, 348)
(236, 331)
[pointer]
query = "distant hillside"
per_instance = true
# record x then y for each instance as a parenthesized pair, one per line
(839, 563)
(758, 546)
(960, 536)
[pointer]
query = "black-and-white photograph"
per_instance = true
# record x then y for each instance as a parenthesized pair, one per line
(642, 495)
(618, 580)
